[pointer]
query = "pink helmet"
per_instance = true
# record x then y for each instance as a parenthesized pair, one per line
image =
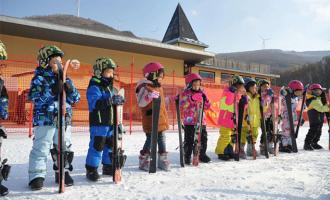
(296, 85)
(152, 67)
(191, 77)
(315, 86)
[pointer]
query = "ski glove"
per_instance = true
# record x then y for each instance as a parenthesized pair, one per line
(244, 99)
(117, 100)
(198, 97)
(270, 92)
(323, 98)
(68, 87)
(284, 92)
(232, 89)
(3, 132)
(153, 95)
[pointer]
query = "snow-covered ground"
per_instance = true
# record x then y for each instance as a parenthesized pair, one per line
(305, 175)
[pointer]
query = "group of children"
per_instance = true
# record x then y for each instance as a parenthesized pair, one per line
(101, 95)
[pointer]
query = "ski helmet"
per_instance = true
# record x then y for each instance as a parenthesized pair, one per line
(101, 64)
(46, 52)
(236, 79)
(296, 85)
(152, 70)
(192, 77)
(315, 86)
(3, 53)
(248, 82)
(262, 82)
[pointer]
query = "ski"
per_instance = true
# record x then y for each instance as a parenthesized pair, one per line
(197, 134)
(154, 135)
(263, 126)
(61, 122)
(235, 130)
(328, 120)
(118, 157)
(178, 115)
(301, 111)
(292, 132)
(250, 135)
(275, 125)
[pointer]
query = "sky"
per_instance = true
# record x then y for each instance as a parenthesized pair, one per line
(225, 25)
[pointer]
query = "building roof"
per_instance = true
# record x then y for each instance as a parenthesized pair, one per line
(180, 30)
(229, 70)
(47, 31)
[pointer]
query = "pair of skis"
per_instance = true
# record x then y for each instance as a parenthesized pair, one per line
(154, 134)
(263, 126)
(293, 131)
(178, 116)
(61, 78)
(118, 157)
(197, 133)
(328, 120)
(238, 122)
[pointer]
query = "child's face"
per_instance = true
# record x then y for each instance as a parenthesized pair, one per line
(317, 92)
(108, 73)
(196, 84)
(160, 77)
(265, 87)
(253, 89)
(53, 65)
(298, 93)
(241, 89)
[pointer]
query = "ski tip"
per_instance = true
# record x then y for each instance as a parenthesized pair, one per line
(117, 176)
(195, 161)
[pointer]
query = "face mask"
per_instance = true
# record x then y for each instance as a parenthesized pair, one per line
(108, 81)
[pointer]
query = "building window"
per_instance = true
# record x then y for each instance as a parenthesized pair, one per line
(225, 78)
(186, 69)
(207, 76)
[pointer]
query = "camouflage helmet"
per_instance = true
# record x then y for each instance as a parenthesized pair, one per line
(262, 82)
(3, 53)
(101, 64)
(46, 52)
(236, 79)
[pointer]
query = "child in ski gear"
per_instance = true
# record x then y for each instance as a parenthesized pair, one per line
(4, 168)
(101, 95)
(44, 95)
(190, 102)
(224, 148)
(295, 90)
(317, 107)
(251, 119)
(146, 90)
(267, 95)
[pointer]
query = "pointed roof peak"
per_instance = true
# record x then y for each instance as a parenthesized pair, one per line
(180, 29)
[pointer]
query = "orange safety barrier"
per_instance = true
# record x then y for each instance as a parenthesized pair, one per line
(17, 75)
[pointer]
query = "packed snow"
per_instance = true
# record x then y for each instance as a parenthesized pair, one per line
(305, 175)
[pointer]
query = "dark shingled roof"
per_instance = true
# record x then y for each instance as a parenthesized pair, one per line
(179, 27)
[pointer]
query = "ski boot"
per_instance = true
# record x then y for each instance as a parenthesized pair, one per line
(144, 160)
(107, 170)
(37, 183)
(163, 162)
(92, 173)
(204, 158)
(308, 147)
(242, 153)
(316, 146)
(224, 157)
(187, 160)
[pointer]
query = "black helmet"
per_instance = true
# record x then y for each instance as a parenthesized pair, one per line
(249, 82)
